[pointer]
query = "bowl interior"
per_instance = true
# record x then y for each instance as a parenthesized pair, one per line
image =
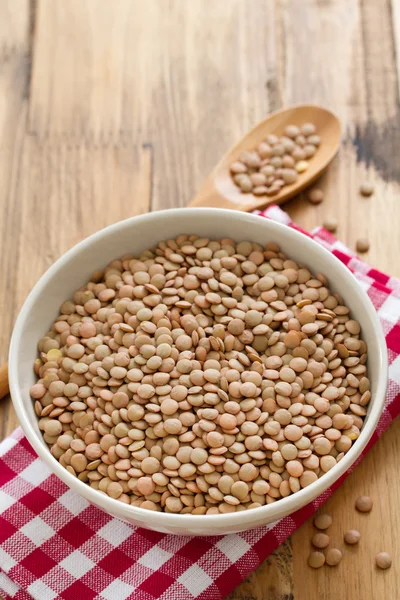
(139, 233)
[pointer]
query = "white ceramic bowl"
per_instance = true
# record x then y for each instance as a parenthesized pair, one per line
(139, 233)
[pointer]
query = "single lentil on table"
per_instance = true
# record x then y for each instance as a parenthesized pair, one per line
(330, 224)
(320, 540)
(277, 161)
(333, 557)
(322, 521)
(316, 560)
(364, 504)
(315, 196)
(362, 245)
(367, 188)
(352, 536)
(202, 377)
(383, 560)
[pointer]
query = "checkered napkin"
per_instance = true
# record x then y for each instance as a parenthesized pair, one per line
(53, 544)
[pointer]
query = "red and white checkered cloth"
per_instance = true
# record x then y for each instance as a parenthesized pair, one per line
(53, 544)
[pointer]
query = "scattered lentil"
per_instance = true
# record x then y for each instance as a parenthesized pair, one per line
(364, 504)
(315, 196)
(366, 188)
(320, 540)
(333, 557)
(330, 224)
(316, 560)
(383, 560)
(352, 536)
(362, 245)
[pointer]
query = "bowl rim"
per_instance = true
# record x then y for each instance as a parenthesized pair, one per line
(244, 519)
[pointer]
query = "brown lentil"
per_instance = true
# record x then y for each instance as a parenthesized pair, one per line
(275, 163)
(364, 504)
(320, 540)
(333, 557)
(199, 378)
(315, 196)
(352, 536)
(383, 560)
(362, 245)
(366, 188)
(330, 224)
(323, 521)
(316, 560)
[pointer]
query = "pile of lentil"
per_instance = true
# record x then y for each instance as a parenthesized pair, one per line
(277, 161)
(203, 377)
(333, 556)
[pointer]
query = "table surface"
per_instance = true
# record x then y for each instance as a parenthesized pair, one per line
(113, 108)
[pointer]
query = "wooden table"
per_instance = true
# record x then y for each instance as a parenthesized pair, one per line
(110, 108)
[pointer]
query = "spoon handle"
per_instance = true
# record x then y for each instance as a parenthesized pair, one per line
(212, 196)
(4, 388)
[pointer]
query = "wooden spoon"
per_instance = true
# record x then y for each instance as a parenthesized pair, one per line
(4, 389)
(219, 189)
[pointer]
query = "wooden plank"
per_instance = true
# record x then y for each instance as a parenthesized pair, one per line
(14, 80)
(78, 69)
(357, 78)
(273, 580)
(15, 28)
(212, 92)
(396, 36)
(68, 193)
(160, 72)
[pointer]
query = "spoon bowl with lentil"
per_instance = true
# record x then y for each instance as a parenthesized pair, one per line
(274, 161)
(198, 371)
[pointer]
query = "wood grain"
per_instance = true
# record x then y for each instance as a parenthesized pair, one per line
(396, 35)
(15, 61)
(109, 109)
